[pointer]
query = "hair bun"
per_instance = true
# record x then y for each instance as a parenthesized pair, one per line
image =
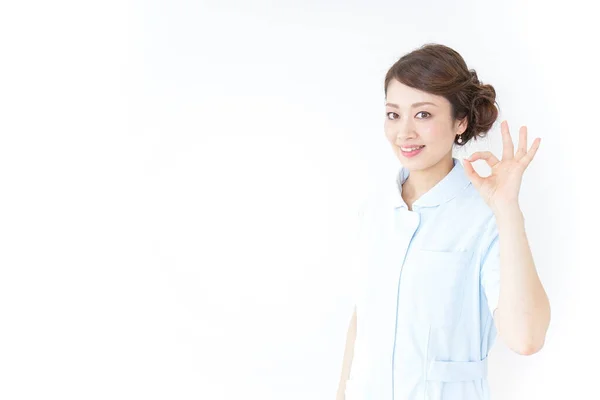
(474, 78)
(483, 111)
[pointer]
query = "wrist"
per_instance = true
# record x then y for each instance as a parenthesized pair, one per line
(510, 211)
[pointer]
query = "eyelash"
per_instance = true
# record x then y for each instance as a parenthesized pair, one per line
(424, 112)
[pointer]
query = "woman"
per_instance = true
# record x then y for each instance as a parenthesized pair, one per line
(447, 262)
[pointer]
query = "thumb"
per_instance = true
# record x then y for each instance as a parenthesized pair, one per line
(473, 176)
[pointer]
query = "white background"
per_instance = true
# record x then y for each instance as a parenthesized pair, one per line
(178, 181)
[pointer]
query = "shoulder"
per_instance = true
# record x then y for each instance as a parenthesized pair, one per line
(481, 218)
(474, 205)
(470, 214)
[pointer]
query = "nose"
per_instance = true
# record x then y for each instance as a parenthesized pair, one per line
(405, 131)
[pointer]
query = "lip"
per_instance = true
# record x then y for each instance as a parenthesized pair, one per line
(411, 153)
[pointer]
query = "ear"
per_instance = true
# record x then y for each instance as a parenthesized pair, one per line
(462, 125)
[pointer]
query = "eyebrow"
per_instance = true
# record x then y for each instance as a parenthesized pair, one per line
(413, 106)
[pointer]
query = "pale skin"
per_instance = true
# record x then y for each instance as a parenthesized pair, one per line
(523, 313)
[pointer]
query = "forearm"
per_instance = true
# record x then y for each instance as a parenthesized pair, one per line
(348, 357)
(523, 314)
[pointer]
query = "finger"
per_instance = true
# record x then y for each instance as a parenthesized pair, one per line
(488, 156)
(473, 176)
(508, 151)
(522, 149)
(527, 158)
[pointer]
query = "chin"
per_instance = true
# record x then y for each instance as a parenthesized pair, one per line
(418, 162)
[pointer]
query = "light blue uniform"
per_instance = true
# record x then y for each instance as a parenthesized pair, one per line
(429, 284)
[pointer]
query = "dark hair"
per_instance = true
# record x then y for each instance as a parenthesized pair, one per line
(440, 70)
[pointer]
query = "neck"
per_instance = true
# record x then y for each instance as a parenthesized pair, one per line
(421, 181)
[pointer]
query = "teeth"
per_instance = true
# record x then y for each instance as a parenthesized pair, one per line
(411, 148)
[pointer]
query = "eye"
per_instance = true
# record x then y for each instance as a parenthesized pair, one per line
(391, 112)
(424, 112)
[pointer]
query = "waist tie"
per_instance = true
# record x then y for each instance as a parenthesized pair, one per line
(457, 371)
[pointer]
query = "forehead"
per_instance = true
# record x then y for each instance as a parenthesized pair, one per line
(404, 96)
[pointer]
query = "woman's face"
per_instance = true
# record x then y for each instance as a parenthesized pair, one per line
(410, 124)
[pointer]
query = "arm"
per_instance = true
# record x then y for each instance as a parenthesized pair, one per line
(523, 310)
(348, 357)
(523, 313)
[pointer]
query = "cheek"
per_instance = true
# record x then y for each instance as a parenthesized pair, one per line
(434, 133)
(389, 133)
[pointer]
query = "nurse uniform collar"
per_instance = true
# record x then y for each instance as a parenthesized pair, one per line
(445, 190)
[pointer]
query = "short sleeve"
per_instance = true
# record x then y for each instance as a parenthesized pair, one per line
(490, 266)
